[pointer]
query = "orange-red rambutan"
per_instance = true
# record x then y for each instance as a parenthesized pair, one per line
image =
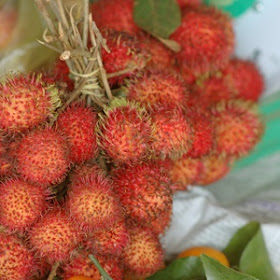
(172, 133)
(26, 102)
(143, 255)
(244, 77)
(126, 55)
(42, 157)
(124, 131)
(157, 88)
(78, 123)
(82, 265)
(21, 204)
(60, 73)
(114, 14)
(207, 39)
(237, 127)
(55, 236)
(92, 203)
(16, 261)
(144, 191)
(185, 3)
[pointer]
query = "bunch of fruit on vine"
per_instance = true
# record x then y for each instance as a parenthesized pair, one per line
(90, 180)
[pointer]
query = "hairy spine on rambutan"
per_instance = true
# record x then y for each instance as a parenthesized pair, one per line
(92, 204)
(124, 131)
(42, 157)
(25, 102)
(78, 123)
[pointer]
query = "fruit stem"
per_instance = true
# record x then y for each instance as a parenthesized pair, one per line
(100, 268)
(53, 271)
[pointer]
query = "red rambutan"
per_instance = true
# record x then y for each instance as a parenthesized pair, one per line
(21, 204)
(26, 102)
(92, 203)
(214, 167)
(16, 262)
(78, 123)
(159, 226)
(55, 236)
(185, 3)
(61, 72)
(114, 14)
(206, 37)
(157, 87)
(244, 77)
(143, 255)
(42, 157)
(124, 131)
(237, 127)
(108, 241)
(125, 56)
(172, 133)
(82, 265)
(144, 191)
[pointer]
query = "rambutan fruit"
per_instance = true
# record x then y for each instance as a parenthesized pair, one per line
(6, 166)
(92, 203)
(108, 241)
(160, 56)
(16, 261)
(159, 226)
(124, 131)
(54, 236)
(114, 14)
(144, 192)
(81, 172)
(42, 157)
(244, 77)
(203, 132)
(77, 123)
(214, 167)
(21, 204)
(143, 255)
(8, 19)
(61, 72)
(125, 56)
(157, 88)
(206, 37)
(184, 172)
(185, 3)
(26, 102)
(237, 127)
(82, 265)
(172, 133)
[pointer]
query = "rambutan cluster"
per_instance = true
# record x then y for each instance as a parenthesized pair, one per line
(80, 179)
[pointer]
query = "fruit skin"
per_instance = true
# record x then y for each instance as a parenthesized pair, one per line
(172, 133)
(25, 102)
(60, 73)
(237, 127)
(207, 39)
(117, 15)
(210, 252)
(16, 261)
(78, 123)
(82, 265)
(21, 204)
(42, 157)
(157, 88)
(55, 236)
(203, 140)
(92, 204)
(125, 53)
(144, 192)
(124, 131)
(143, 255)
(244, 77)
(108, 241)
(185, 3)
(214, 167)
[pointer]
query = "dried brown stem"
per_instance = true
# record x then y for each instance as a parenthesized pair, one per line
(53, 271)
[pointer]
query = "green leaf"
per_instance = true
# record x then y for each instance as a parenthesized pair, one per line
(189, 268)
(255, 259)
(216, 271)
(239, 241)
(158, 17)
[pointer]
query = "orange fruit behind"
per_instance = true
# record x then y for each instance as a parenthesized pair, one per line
(210, 252)
(80, 278)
